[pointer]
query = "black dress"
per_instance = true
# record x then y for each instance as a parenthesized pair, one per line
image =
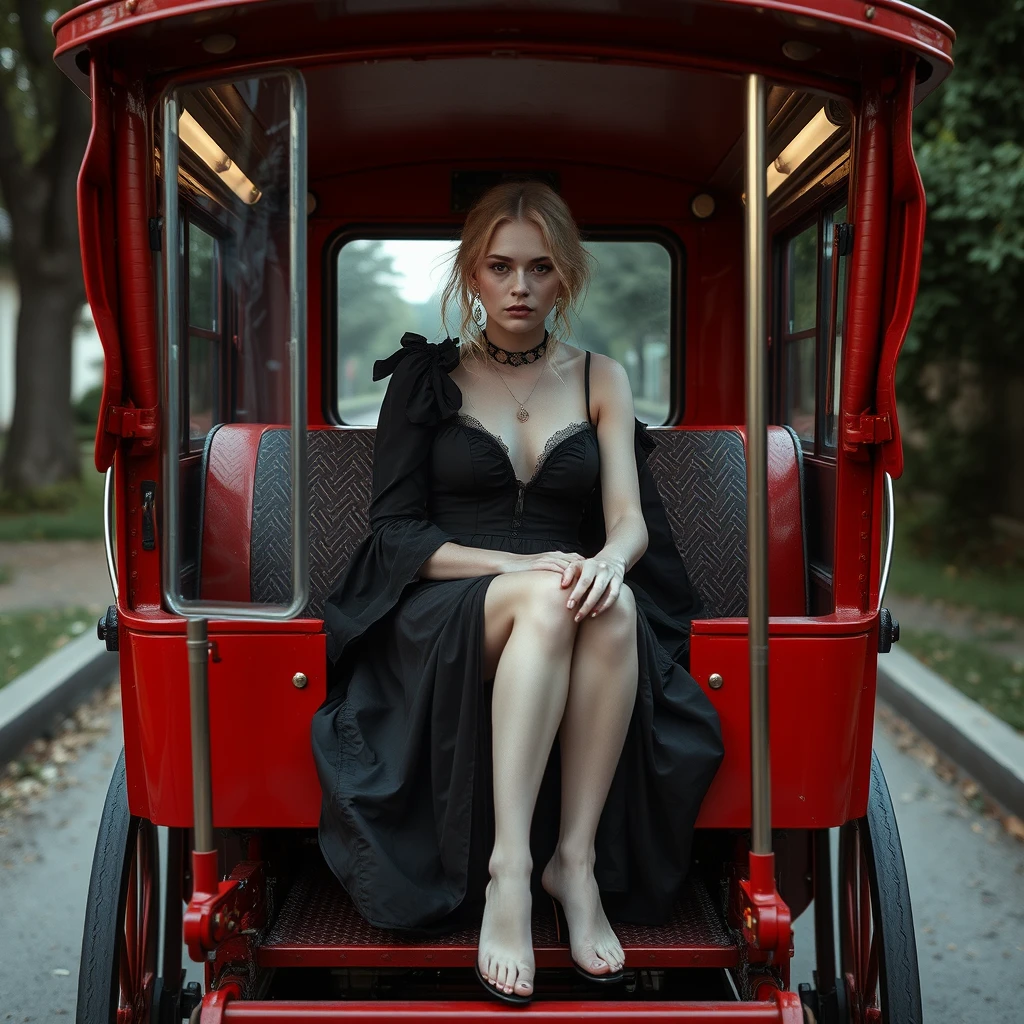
(402, 743)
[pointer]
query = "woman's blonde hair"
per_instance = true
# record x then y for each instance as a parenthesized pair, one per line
(518, 201)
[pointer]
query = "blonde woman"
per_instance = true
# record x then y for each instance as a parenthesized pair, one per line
(519, 587)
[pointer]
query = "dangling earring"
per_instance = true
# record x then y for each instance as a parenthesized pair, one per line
(478, 311)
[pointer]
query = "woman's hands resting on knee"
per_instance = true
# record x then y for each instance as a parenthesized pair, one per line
(598, 582)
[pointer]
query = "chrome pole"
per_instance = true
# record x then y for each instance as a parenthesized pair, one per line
(756, 242)
(890, 539)
(199, 700)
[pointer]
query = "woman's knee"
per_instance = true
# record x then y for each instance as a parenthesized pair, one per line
(542, 605)
(615, 627)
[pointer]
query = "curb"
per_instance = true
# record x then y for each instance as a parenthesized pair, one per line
(984, 746)
(47, 692)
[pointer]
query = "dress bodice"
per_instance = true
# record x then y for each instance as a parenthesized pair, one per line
(476, 497)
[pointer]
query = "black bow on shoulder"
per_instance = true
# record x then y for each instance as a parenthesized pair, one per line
(434, 395)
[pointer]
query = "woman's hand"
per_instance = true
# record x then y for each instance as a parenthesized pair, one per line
(561, 562)
(598, 582)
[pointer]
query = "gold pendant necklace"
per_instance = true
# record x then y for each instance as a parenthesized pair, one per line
(523, 415)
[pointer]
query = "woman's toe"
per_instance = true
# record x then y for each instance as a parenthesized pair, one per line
(524, 982)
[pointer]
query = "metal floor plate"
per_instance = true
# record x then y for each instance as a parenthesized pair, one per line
(318, 926)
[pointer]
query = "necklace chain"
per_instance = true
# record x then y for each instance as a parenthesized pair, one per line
(503, 355)
(523, 415)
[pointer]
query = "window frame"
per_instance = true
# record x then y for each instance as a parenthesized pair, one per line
(823, 218)
(224, 354)
(441, 231)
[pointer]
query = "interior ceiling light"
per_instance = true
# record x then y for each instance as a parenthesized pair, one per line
(810, 139)
(195, 137)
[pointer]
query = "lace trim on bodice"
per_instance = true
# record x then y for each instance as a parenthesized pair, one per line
(560, 435)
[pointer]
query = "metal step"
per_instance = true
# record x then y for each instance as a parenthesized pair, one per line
(319, 927)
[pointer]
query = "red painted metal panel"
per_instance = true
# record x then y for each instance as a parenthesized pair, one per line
(817, 697)
(604, 1012)
(262, 762)
(96, 229)
(908, 222)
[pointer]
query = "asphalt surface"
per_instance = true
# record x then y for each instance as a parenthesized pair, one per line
(966, 879)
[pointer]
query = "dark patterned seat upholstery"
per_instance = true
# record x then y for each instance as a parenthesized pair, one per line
(701, 474)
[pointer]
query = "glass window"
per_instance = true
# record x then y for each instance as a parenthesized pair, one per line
(836, 362)
(385, 287)
(203, 279)
(802, 264)
(628, 315)
(800, 334)
(800, 364)
(202, 387)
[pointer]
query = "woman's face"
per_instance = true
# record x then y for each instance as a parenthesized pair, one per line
(517, 281)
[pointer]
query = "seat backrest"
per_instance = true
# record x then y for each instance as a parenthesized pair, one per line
(701, 474)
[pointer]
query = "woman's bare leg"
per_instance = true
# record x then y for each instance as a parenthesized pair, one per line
(602, 691)
(529, 636)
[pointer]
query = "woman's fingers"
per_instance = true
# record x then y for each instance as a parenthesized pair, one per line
(597, 591)
(583, 584)
(611, 595)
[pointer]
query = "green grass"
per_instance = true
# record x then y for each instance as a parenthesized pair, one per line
(5, 574)
(26, 637)
(67, 512)
(986, 589)
(995, 682)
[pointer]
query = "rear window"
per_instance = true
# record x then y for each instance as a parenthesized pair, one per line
(387, 286)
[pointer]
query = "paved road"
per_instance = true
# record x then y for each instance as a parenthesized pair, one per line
(966, 878)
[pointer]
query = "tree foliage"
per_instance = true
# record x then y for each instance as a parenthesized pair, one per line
(965, 352)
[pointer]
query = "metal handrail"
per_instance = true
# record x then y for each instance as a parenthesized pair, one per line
(890, 538)
(108, 530)
(756, 284)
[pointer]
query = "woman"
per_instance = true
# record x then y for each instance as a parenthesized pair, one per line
(503, 599)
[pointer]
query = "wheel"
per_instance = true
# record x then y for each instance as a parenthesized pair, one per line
(877, 949)
(118, 967)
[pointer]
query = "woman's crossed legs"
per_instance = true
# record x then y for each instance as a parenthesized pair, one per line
(551, 673)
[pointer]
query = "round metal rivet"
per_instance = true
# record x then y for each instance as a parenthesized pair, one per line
(299, 680)
(219, 44)
(715, 681)
(702, 206)
(869, 13)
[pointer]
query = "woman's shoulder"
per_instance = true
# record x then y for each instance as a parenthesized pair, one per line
(608, 379)
(420, 378)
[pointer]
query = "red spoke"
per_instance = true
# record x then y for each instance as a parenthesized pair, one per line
(871, 978)
(865, 918)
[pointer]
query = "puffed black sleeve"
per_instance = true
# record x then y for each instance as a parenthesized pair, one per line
(420, 394)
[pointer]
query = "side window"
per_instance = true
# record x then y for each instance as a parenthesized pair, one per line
(800, 331)
(203, 302)
(384, 287)
(812, 311)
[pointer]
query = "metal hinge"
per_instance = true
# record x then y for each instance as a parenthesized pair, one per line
(867, 428)
(131, 422)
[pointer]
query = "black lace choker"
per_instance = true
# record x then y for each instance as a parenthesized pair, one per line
(502, 355)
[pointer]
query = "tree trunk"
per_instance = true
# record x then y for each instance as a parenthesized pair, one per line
(41, 447)
(42, 202)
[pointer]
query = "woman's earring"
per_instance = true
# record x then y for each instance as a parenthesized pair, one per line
(479, 313)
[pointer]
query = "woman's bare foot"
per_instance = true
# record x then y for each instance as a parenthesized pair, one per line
(505, 954)
(592, 943)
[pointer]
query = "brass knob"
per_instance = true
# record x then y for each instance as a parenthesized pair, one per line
(715, 681)
(299, 680)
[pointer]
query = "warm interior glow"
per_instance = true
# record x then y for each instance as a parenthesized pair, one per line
(195, 137)
(811, 138)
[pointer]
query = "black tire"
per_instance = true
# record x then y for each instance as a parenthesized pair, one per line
(126, 854)
(870, 852)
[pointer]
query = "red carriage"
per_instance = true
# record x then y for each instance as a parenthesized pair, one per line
(763, 152)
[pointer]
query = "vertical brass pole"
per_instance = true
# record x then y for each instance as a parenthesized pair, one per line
(756, 242)
(199, 697)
